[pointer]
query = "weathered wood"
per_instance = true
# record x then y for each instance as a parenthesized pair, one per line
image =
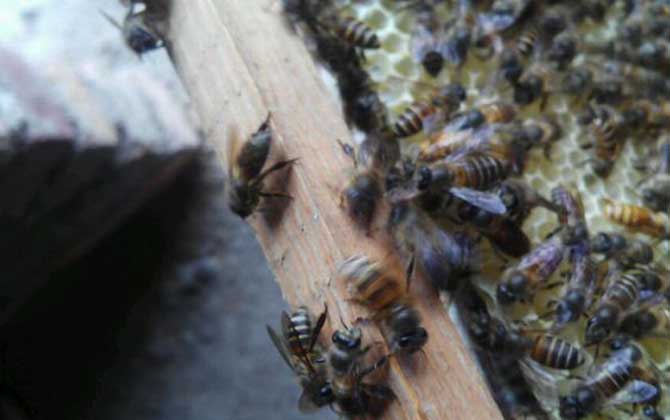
(239, 61)
(80, 150)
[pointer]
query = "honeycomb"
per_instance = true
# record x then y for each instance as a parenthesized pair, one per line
(399, 80)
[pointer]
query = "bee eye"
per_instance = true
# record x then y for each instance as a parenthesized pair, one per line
(326, 391)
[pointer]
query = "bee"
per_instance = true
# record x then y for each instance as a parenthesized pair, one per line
(445, 257)
(245, 173)
(563, 50)
(380, 287)
(434, 42)
(503, 233)
(656, 195)
(542, 131)
(526, 42)
(648, 322)
(624, 291)
(353, 397)
(138, 30)
(352, 31)
(606, 131)
(425, 115)
(522, 281)
(626, 251)
(503, 15)
(298, 346)
(520, 199)
(574, 229)
(535, 82)
(580, 289)
(477, 171)
(623, 378)
(637, 219)
(510, 67)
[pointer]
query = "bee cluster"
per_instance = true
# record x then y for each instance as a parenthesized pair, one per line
(508, 139)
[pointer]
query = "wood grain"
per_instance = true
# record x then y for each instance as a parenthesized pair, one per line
(239, 61)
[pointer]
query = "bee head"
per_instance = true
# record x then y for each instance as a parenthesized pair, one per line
(433, 63)
(413, 340)
(570, 307)
(578, 405)
(599, 325)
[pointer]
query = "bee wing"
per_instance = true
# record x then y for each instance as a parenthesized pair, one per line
(317, 329)
(635, 392)
(492, 203)
(544, 385)
(281, 347)
(232, 151)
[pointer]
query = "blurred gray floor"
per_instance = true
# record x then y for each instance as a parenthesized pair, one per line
(166, 318)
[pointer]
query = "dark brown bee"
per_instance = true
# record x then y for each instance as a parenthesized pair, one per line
(623, 292)
(245, 171)
(563, 50)
(443, 256)
(536, 82)
(626, 251)
(298, 346)
(649, 322)
(522, 281)
(138, 31)
(425, 115)
(637, 219)
(353, 31)
(382, 289)
(353, 397)
(623, 378)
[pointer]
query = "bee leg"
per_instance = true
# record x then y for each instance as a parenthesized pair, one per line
(277, 166)
(544, 98)
(378, 364)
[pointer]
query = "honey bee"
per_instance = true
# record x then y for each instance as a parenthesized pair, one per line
(352, 31)
(623, 292)
(510, 67)
(542, 131)
(606, 131)
(526, 41)
(138, 31)
(623, 378)
(520, 199)
(656, 195)
(434, 42)
(443, 256)
(574, 230)
(626, 251)
(536, 82)
(648, 322)
(380, 287)
(503, 233)
(503, 15)
(298, 346)
(353, 397)
(637, 219)
(426, 115)
(580, 288)
(508, 384)
(563, 50)
(477, 171)
(245, 173)
(522, 281)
